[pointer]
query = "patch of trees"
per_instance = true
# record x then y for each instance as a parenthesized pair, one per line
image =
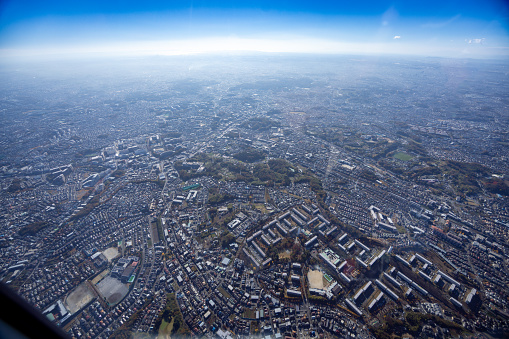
(212, 167)
(212, 212)
(219, 198)
(118, 173)
(334, 135)
(15, 186)
(497, 186)
(464, 176)
(274, 112)
(407, 134)
(172, 312)
(188, 175)
(386, 148)
(260, 123)
(32, 229)
(391, 326)
(226, 239)
(390, 166)
(425, 171)
(86, 153)
(277, 172)
(368, 175)
(263, 172)
(318, 300)
(412, 324)
(172, 134)
(416, 148)
(466, 168)
(50, 177)
(314, 182)
(250, 155)
(274, 172)
(282, 166)
(285, 244)
(297, 252)
(235, 167)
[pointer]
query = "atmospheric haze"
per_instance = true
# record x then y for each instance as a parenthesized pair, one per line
(432, 28)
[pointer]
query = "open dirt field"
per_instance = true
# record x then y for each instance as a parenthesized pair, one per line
(112, 289)
(315, 279)
(79, 298)
(111, 253)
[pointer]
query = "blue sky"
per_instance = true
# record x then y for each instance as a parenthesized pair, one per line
(437, 28)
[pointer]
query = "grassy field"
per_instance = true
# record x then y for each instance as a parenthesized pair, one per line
(261, 208)
(285, 254)
(403, 156)
(171, 321)
(400, 229)
(165, 329)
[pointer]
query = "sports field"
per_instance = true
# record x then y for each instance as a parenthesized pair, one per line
(403, 156)
(112, 289)
(315, 279)
(111, 253)
(78, 298)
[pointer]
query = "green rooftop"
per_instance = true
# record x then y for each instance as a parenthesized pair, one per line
(191, 187)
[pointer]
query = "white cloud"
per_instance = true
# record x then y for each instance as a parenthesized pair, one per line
(397, 37)
(475, 41)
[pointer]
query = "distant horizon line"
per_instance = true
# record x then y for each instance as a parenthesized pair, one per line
(237, 45)
(75, 56)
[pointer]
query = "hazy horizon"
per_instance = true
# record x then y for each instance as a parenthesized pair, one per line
(465, 29)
